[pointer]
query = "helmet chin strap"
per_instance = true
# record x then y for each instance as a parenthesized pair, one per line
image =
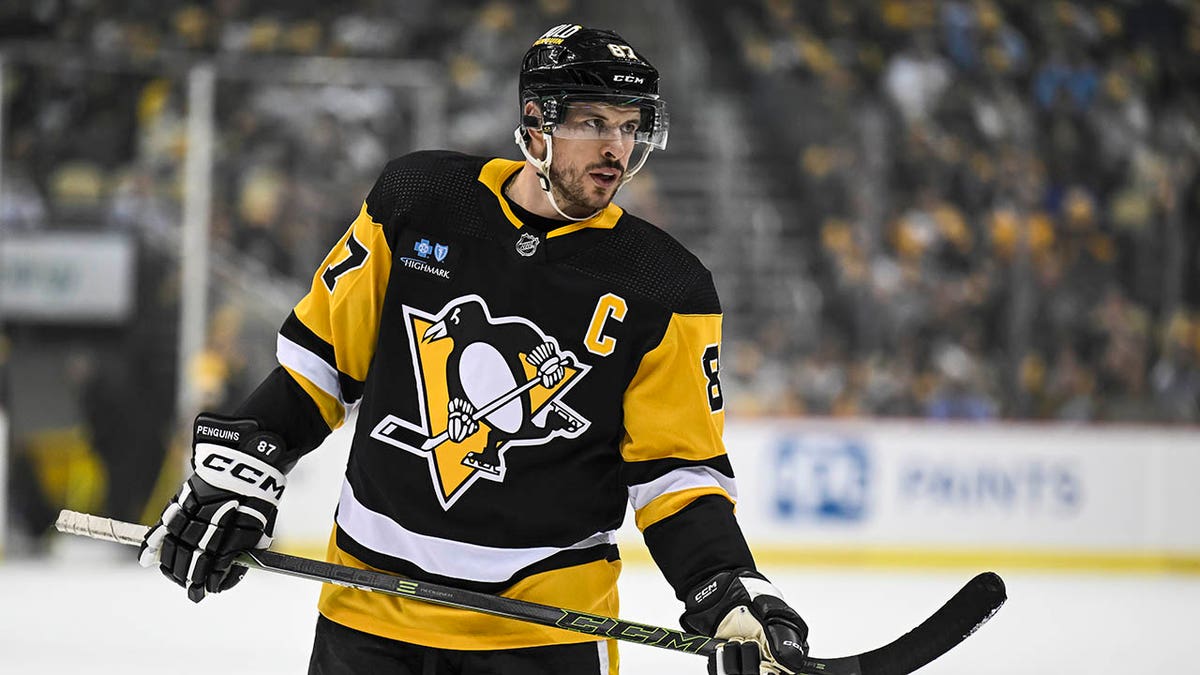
(543, 171)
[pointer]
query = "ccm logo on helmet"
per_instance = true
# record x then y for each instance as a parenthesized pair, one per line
(244, 472)
(632, 79)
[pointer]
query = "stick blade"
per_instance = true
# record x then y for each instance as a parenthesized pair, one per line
(961, 616)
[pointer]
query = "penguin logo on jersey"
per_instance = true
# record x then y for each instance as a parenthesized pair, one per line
(485, 384)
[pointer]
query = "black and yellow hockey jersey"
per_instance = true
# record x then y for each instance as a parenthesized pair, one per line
(580, 365)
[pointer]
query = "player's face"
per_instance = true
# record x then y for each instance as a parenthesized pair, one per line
(591, 154)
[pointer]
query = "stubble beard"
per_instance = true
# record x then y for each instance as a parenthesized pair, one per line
(572, 192)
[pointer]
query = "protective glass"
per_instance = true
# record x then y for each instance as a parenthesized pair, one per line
(597, 117)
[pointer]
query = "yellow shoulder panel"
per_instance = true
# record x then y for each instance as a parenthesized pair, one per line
(344, 304)
(672, 406)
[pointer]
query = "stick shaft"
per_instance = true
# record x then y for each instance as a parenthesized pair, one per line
(96, 527)
(961, 616)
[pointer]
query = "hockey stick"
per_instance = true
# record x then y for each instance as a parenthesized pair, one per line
(961, 616)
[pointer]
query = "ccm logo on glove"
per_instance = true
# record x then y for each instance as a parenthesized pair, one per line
(706, 591)
(215, 465)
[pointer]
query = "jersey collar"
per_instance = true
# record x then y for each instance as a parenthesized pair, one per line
(497, 171)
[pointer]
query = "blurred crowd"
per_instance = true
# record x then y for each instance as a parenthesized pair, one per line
(996, 210)
(999, 209)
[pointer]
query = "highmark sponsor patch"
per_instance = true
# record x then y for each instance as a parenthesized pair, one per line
(427, 255)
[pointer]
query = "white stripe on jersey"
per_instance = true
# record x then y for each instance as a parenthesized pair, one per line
(603, 647)
(311, 366)
(685, 478)
(444, 557)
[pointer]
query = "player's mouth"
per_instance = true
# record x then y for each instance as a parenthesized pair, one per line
(605, 178)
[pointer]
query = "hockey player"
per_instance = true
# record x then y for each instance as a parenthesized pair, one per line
(526, 358)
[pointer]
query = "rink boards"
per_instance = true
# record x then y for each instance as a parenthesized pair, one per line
(916, 493)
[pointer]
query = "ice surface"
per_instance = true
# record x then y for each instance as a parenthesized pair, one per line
(98, 612)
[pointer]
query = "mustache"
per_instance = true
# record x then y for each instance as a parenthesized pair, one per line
(610, 164)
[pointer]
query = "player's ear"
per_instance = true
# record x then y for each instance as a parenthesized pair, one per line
(532, 121)
(531, 110)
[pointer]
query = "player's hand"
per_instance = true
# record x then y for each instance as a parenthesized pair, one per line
(226, 507)
(763, 634)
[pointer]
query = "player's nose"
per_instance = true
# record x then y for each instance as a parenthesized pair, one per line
(614, 149)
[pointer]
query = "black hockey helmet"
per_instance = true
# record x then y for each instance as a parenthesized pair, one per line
(572, 63)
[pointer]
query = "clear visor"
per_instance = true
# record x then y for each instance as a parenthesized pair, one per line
(607, 118)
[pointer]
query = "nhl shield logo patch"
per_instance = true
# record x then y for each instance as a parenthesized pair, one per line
(527, 244)
(485, 385)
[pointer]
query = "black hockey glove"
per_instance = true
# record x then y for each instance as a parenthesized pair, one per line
(763, 633)
(226, 507)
